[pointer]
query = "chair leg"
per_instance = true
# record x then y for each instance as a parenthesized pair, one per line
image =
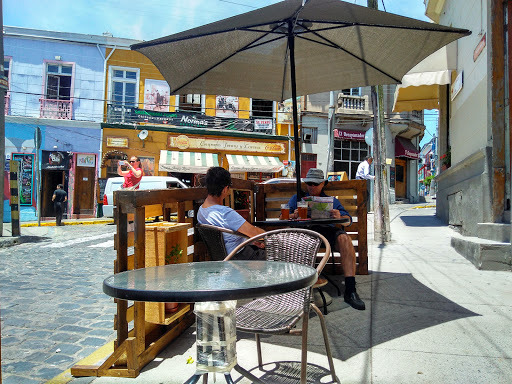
(304, 357)
(323, 300)
(326, 342)
(258, 349)
(331, 282)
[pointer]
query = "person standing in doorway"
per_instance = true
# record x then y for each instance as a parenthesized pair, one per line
(59, 198)
(133, 175)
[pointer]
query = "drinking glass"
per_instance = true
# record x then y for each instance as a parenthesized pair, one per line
(302, 206)
(285, 212)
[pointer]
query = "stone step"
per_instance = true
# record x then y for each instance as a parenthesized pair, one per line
(484, 254)
(494, 231)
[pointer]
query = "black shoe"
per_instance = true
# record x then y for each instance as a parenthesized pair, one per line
(354, 301)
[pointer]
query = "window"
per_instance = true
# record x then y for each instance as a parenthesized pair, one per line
(262, 108)
(7, 66)
(190, 102)
(59, 78)
(123, 86)
(7, 72)
(310, 135)
(348, 155)
(352, 91)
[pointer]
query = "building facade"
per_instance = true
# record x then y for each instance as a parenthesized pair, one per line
(56, 87)
(345, 135)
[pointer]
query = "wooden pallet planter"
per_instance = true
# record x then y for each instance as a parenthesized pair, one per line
(351, 194)
(153, 329)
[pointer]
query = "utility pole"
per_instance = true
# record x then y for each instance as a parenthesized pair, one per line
(3, 88)
(382, 230)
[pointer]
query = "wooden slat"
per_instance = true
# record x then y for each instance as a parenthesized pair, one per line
(129, 200)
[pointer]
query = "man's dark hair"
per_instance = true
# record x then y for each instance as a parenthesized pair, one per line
(60, 186)
(217, 178)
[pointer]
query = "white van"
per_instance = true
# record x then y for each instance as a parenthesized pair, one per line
(147, 182)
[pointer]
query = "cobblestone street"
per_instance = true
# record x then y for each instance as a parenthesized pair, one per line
(53, 310)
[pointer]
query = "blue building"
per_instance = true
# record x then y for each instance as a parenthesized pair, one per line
(56, 83)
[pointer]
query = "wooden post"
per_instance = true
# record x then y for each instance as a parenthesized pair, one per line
(14, 167)
(382, 230)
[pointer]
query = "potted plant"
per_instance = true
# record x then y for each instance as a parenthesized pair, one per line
(446, 160)
(173, 258)
(242, 203)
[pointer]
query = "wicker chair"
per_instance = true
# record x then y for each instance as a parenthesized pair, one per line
(278, 314)
(214, 241)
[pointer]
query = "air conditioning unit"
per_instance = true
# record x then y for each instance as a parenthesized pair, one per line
(306, 138)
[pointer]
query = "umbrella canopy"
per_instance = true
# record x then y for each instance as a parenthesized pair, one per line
(295, 47)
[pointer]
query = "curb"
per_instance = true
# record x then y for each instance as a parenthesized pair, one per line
(425, 206)
(52, 224)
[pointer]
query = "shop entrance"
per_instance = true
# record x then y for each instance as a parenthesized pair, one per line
(400, 178)
(50, 181)
(84, 191)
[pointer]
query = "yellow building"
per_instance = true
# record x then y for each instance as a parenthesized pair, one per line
(186, 134)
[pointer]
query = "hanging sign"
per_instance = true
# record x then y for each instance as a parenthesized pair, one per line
(204, 143)
(56, 160)
(83, 160)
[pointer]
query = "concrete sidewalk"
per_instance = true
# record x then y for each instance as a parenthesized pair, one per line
(31, 232)
(431, 317)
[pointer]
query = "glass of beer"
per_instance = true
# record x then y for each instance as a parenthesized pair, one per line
(302, 206)
(285, 212)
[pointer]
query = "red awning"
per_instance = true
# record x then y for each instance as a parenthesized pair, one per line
(404, 148)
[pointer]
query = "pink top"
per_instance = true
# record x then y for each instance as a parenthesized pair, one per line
(130, 179)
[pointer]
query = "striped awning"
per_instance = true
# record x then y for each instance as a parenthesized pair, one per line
(267, 164)
(187, 162)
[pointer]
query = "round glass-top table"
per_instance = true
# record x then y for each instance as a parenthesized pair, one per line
(217, 282)
(209, 281)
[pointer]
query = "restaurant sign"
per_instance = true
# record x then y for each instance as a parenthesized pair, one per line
(117, 142)
(203, 143)
(185, 119)
(56, 160)
(84, 160)
(343, 134)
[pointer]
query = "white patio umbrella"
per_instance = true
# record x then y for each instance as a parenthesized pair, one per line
(295, 47)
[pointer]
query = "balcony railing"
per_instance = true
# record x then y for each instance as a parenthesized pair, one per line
(56, 109)
(119, 114)
(353, 104)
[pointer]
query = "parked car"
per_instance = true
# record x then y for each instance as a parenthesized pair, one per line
(279, 180)
(147, 182)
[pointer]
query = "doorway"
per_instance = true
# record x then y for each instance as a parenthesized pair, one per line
(84, 191)
(50, 180)
(307, 161)
(400, 178)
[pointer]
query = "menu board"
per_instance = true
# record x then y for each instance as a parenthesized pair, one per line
(26, 176)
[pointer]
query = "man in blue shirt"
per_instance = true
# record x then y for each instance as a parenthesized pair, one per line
(337, 237)
(218, 183)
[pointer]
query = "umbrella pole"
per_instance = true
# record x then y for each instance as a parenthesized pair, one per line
(297, 141)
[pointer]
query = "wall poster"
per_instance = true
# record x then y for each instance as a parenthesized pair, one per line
(26, 177)
(226, 106)
(148, 165)
(156, 95)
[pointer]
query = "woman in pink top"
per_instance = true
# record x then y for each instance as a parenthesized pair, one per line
(133, 175)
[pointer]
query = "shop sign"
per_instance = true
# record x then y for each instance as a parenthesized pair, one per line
(187, 119)
(55, 160)
(457, 85)
(117, 142)
(85, 160)
(479, 47)
(204, 143)
(265, 125)
(349, 135)
(26, 177)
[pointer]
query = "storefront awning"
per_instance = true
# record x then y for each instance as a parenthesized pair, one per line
(404, 148)
(266, 164)
(420, 86)
(187, 162)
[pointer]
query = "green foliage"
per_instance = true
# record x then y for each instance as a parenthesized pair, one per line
(174, 255)
(427, 180)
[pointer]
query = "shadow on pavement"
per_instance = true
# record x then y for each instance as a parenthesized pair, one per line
(396, 305)
(422, 221)
(288, 372)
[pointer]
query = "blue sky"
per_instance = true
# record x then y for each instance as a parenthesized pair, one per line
(146, 20)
